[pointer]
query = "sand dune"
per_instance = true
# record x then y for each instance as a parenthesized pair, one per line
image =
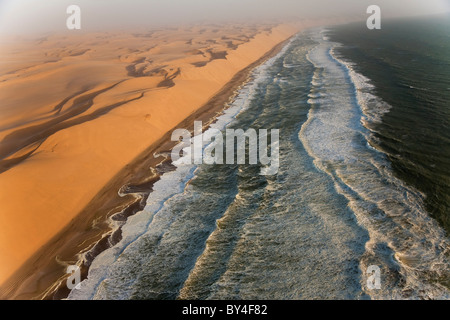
(77, 109)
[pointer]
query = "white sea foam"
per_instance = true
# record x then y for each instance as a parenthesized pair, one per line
(372, 106)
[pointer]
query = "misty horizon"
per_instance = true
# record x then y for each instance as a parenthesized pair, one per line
(31, 16)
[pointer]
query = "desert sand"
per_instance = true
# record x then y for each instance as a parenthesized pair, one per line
(79, 109)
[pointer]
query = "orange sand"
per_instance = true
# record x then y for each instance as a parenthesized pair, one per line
(76, 109)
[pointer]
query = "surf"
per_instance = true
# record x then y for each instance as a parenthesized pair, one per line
(408, 245)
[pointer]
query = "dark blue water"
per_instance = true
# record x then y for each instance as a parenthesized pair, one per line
(336, 207)
(408, 61)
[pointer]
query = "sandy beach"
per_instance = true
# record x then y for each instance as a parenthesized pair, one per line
(83, 116)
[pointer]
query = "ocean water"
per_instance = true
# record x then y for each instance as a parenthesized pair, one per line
(408, 62)
(338, 205)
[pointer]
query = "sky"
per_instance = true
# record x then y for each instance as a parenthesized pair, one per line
(22, 16)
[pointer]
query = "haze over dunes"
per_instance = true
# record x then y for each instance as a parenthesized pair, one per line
(28, 16)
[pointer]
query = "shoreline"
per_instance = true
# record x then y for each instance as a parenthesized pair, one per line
(43, 276)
